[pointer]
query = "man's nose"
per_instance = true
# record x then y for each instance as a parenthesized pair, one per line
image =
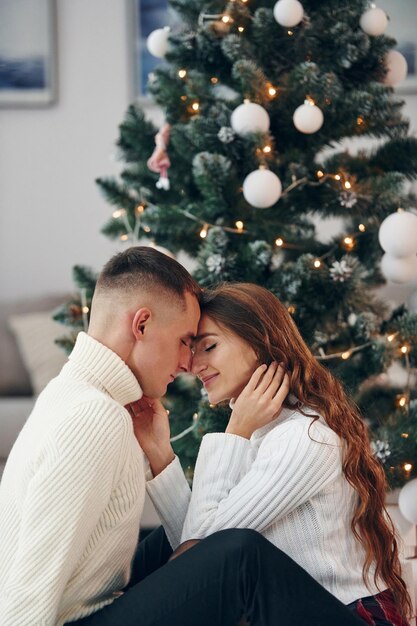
(185, 359)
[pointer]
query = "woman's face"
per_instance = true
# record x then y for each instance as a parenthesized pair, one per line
(222, 360)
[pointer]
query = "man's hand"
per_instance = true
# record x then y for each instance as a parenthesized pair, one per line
(151, 428)
(260, 401)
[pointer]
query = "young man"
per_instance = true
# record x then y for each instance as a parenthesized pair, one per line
(73, 488)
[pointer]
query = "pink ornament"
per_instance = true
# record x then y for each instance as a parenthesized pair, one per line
(159, 160)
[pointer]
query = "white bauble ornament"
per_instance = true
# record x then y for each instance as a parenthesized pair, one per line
(308, 118)
(398, 234)
(288, 13)
(407, 501)
(399, 270)
(262, 188)
(374, 21)
(396, 68)
(249, 118)
(157, 42)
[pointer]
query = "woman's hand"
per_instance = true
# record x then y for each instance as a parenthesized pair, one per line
(260, 401)
(151, 428)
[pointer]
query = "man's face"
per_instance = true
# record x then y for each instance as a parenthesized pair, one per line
(165, 349)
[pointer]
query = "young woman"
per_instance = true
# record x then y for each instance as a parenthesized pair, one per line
(302, 475)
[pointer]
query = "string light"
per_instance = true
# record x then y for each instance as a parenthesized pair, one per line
(140, 209)
(240, 29)
(360, 120)
(319, 174)
(317, 263)
(118, 213)
(348, 243)
(346, 355)
(404, 435)
(347, 184)
(402, 401)
(337, 177)
(408, 467)
(182, 73)
(291, 309)
(195, 106)
(279, 242)
(146, 229)
(362, 228)
(214, 80)
(204, 231)
(290, 32)
(85, 309)
(239, 225)
(226, 19)
(272, 91)
(124, 237)
(404, 349)
(183, 98)
(266, 149)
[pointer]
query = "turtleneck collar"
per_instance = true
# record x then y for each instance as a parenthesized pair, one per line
(106, 367)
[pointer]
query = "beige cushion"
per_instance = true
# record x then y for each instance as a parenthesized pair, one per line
(35, 334)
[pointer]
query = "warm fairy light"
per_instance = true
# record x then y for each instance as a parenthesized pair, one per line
(360, 120)
(146, 229)
(118, 213)
(214, 80)
(124, 237)
(182, 73)
(402, 401)
(85, 309)
(404, 435)
(408, 467)
(195, 106)
(309, 100)
(319, 174)
(362, 228)
(290, 32)
(391, 337)
(266, 149)
(240, 29)
(183, 98)
(347, 184)
(346, 355)
(140, 208)
(348, 242)
(272, 91)
(239, 225)
(404, 349)
(204, 231)
(226, 19)
(317, 263)
(291, 309)
(279, 242)
(337, 177)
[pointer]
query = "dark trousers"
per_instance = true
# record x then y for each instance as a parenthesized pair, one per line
(232, 573)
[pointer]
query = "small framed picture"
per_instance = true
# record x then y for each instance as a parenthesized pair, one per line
(27, 53)
(402, 16)
(146, 16)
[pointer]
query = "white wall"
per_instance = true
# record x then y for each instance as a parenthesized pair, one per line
(51, 210)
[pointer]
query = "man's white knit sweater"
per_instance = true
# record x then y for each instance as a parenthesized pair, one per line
(72, 494)
(285, 482)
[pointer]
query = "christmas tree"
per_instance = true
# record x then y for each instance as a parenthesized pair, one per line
(258, 97)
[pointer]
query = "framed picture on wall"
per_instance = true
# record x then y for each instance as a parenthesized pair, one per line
(402, 26)
(27, 53)
(147, 16)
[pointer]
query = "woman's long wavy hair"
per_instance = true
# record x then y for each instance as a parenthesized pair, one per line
(259, 318)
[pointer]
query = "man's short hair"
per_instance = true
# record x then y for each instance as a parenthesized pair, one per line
(145, 268)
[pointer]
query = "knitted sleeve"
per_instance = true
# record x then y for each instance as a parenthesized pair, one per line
(70, 488)
(170, 495)
(292, 465)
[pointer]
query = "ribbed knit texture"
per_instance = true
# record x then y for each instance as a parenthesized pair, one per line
(285, 482)
(72, 494)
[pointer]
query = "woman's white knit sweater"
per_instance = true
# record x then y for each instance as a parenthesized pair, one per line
(285, 482)
(72, 494)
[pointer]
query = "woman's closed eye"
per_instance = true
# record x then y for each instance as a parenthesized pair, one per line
(210, 347)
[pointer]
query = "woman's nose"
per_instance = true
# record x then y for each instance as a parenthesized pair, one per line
(197, 365)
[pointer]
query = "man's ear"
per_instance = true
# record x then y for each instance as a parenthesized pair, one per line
(140, 321)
